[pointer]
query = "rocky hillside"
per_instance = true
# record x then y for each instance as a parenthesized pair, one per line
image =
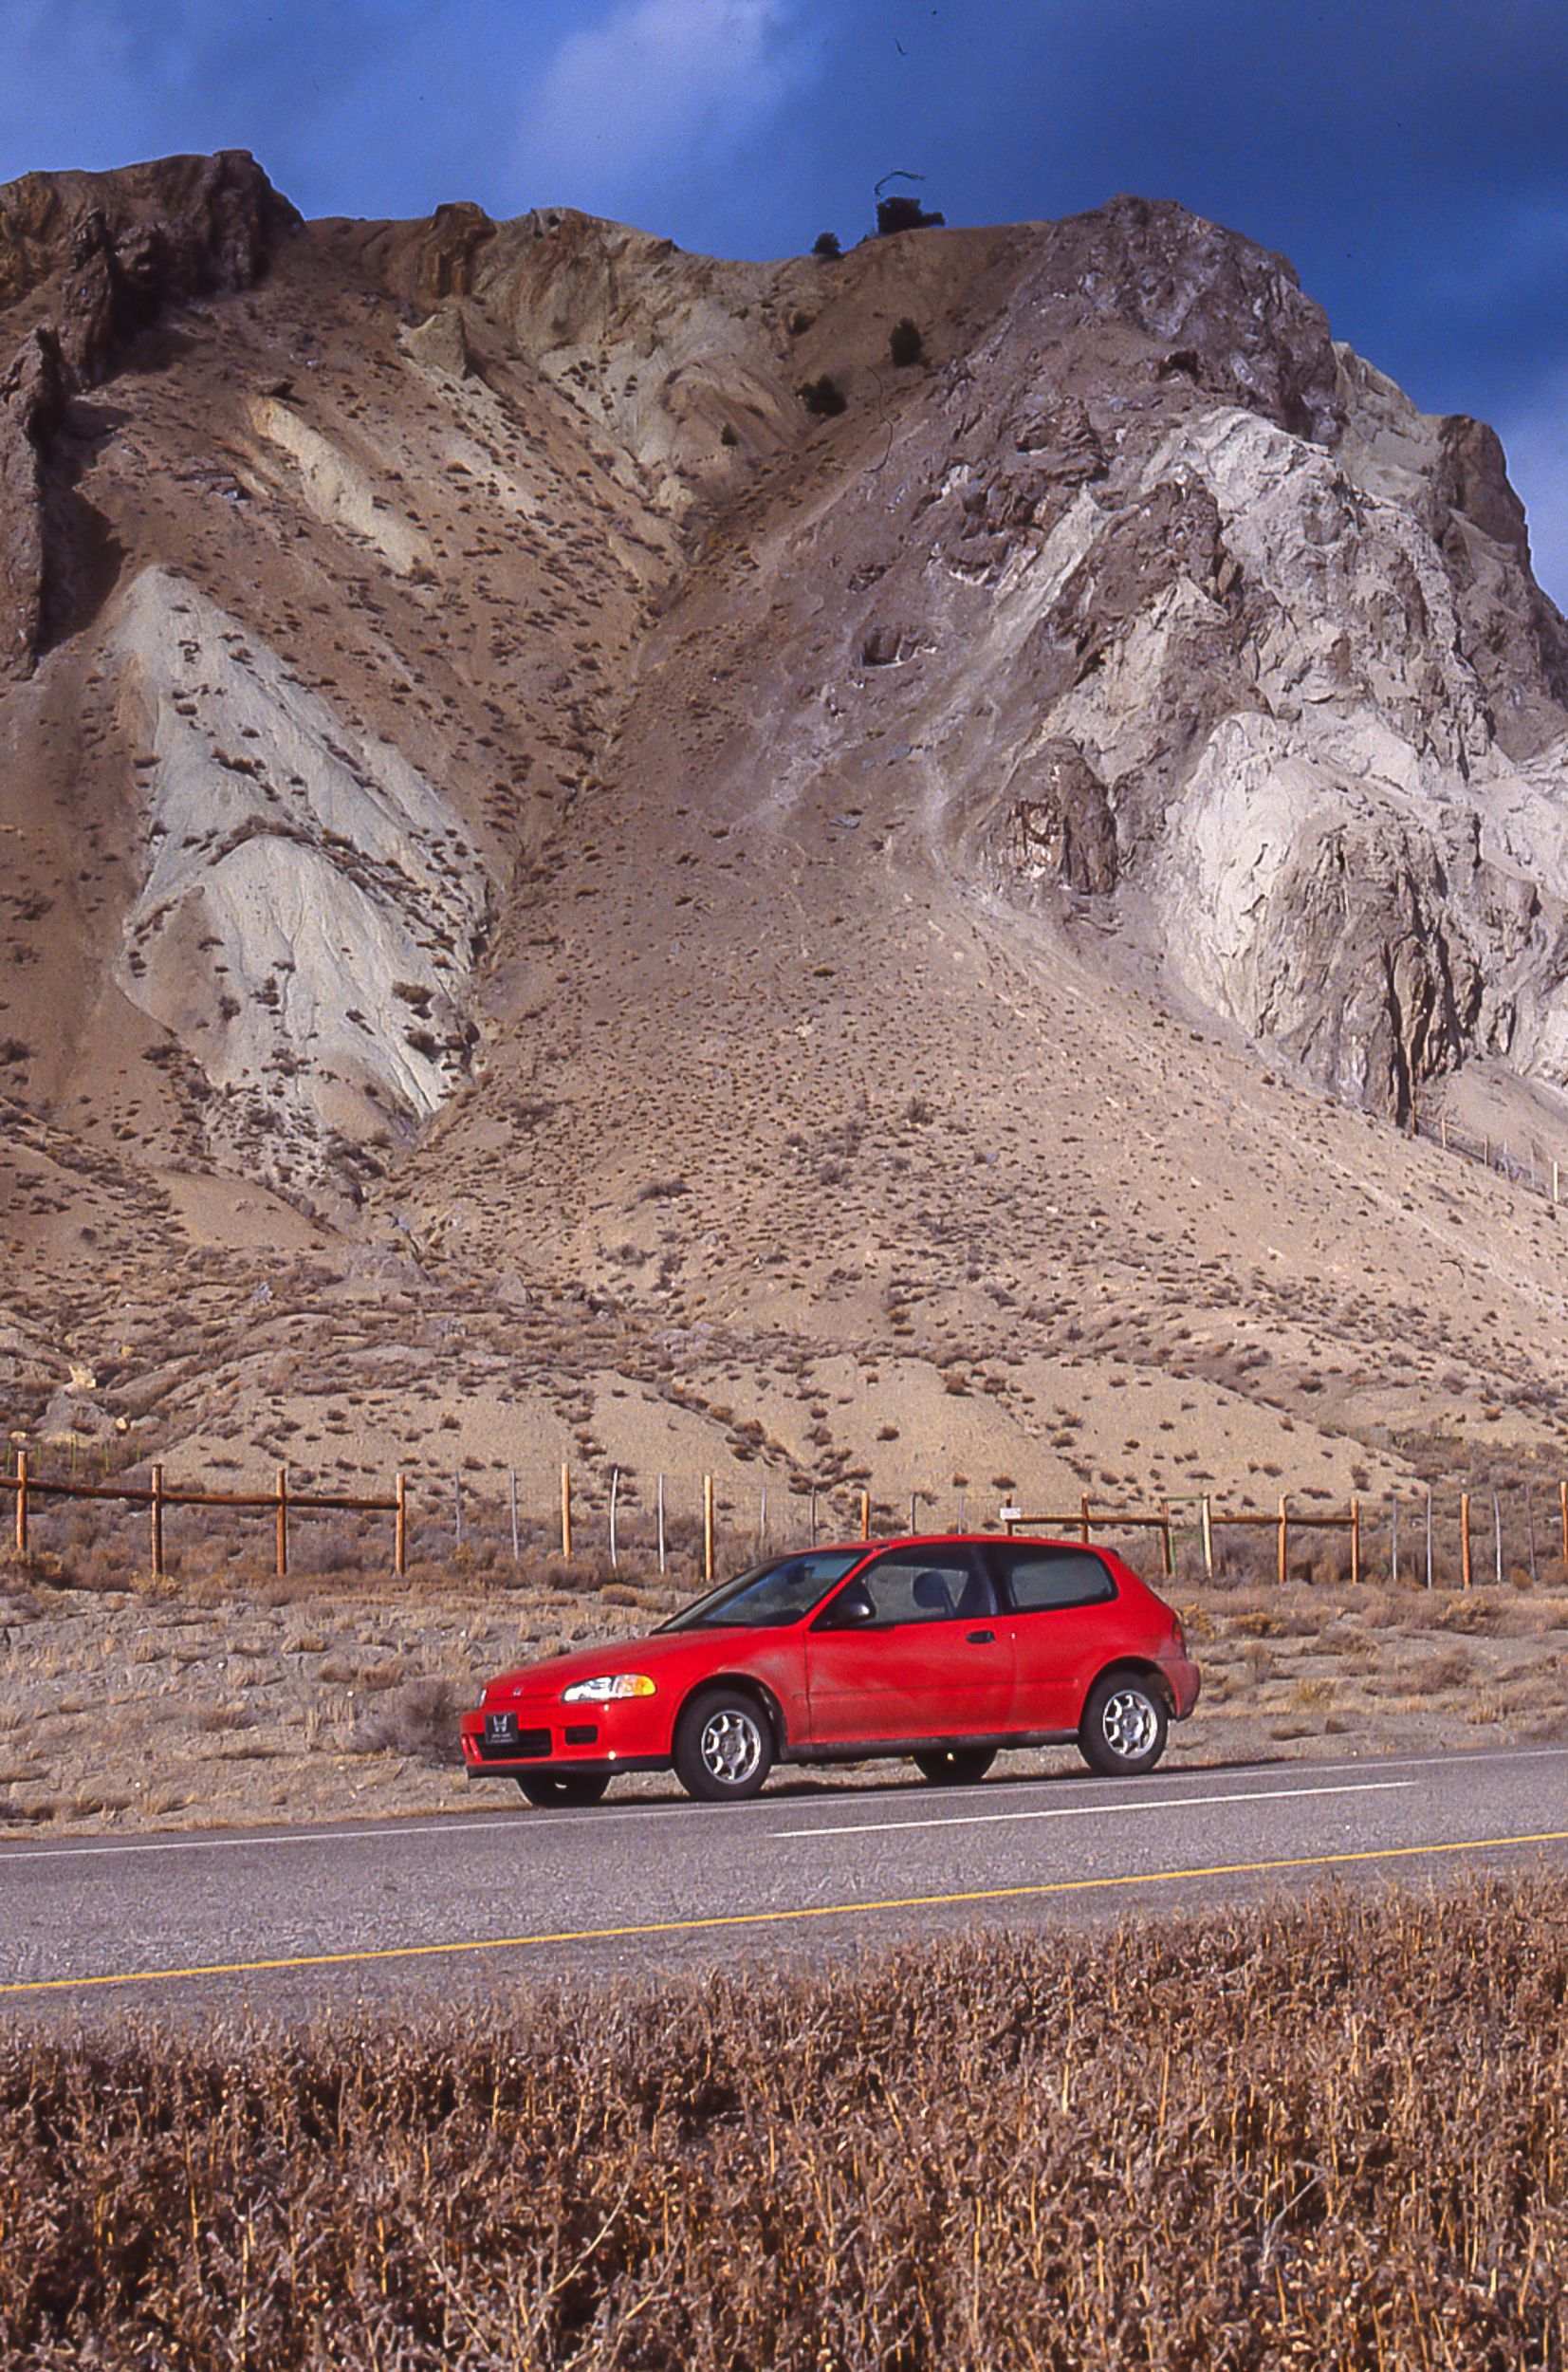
(612, 851)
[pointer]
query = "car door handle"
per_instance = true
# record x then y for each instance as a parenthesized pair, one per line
(980, 1638)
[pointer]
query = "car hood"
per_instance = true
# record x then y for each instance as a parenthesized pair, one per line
(614, 1655)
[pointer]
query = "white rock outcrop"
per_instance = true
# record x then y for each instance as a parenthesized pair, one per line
(313, 908)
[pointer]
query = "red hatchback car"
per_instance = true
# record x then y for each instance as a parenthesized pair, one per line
(945, 1650)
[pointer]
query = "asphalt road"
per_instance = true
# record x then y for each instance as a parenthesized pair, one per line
(294, 1920)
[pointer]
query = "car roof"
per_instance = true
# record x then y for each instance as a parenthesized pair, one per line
(941, 1540)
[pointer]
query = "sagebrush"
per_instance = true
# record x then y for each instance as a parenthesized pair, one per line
(1330, 2133)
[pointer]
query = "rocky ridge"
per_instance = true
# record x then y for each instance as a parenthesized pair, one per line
(500, 783)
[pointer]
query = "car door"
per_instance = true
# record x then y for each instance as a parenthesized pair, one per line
(1057, 1599)
(933, 1660)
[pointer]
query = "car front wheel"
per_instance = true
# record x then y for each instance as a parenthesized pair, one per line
(563, 1787)
(956, 1766)
(1124, 1725)
(724, 1747)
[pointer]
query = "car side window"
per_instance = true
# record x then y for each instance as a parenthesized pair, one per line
(929, 1586)
(1040, 1580)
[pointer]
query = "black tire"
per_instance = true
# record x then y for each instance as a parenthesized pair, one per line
(1125, 1725)
(563, 1787)
(956, 1766)
(724, 1747)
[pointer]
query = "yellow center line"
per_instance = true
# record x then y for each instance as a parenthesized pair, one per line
(775, 1918)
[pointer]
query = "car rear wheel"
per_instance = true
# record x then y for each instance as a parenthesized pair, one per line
(724, 1747)
(956, 1766)
(563, 1787)
(1124, 1725)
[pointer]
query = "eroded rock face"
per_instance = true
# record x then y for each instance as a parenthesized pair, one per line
(1230, 316)
(1138, 588)
(32, 398)
(94, 259)
(104, 253)
(1058, 822)
(1307, 676)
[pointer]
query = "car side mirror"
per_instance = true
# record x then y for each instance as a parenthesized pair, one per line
(851, 1606)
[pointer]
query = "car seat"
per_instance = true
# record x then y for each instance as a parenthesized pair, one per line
(931, 1594)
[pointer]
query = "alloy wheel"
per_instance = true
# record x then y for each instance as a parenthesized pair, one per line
(1129, 1724)
(731, 1746)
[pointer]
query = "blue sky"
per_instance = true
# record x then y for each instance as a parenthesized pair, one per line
(1409, 155)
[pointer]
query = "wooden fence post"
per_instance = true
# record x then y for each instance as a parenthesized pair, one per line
(1429, 1540)
(1393, 1537)
(865, 1515)
(511, 1476)
(1084, 1517)
(283, 1521)
(400, 1532)
(1356, 1544)
(1285, 1539)
(158, 1522)
(615, 1493)
(1465, 1565)
(707, 1528)
(914, 1513)
(1207, 1536)
(1530, 1528)
(457, 1512)
(1168, 1559)
(21, 1503)
(567, 1513)
(1497, 1534)
(661, 1523)
(1562, 1499)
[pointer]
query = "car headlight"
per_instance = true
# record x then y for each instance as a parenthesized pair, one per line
(607, 1684)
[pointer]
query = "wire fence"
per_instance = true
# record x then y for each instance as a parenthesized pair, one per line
(693, 1526)
(1522, 1166)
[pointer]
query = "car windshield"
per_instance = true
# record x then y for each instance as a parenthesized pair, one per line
(771, 1594)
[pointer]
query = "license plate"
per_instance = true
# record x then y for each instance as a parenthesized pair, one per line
(500, 1727)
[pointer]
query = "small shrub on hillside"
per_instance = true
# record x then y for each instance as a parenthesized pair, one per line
(417, 1720)
(906, 346)
(823, 397)
(825, 246)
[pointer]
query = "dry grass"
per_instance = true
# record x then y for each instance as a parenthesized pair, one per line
(1328, 2134)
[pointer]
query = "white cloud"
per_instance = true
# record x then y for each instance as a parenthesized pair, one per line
(638, 90)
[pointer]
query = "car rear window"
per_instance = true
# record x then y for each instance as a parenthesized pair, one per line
(1037, 1579)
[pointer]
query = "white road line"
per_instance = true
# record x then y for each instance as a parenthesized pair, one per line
(1094, 1811)
(253, 1843)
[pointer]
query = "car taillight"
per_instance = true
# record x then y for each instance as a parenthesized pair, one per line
(1179, 1634)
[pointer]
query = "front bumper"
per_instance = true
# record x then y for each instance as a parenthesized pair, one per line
(624, 1735)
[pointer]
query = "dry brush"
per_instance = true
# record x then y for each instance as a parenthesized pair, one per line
(1329, 2132)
